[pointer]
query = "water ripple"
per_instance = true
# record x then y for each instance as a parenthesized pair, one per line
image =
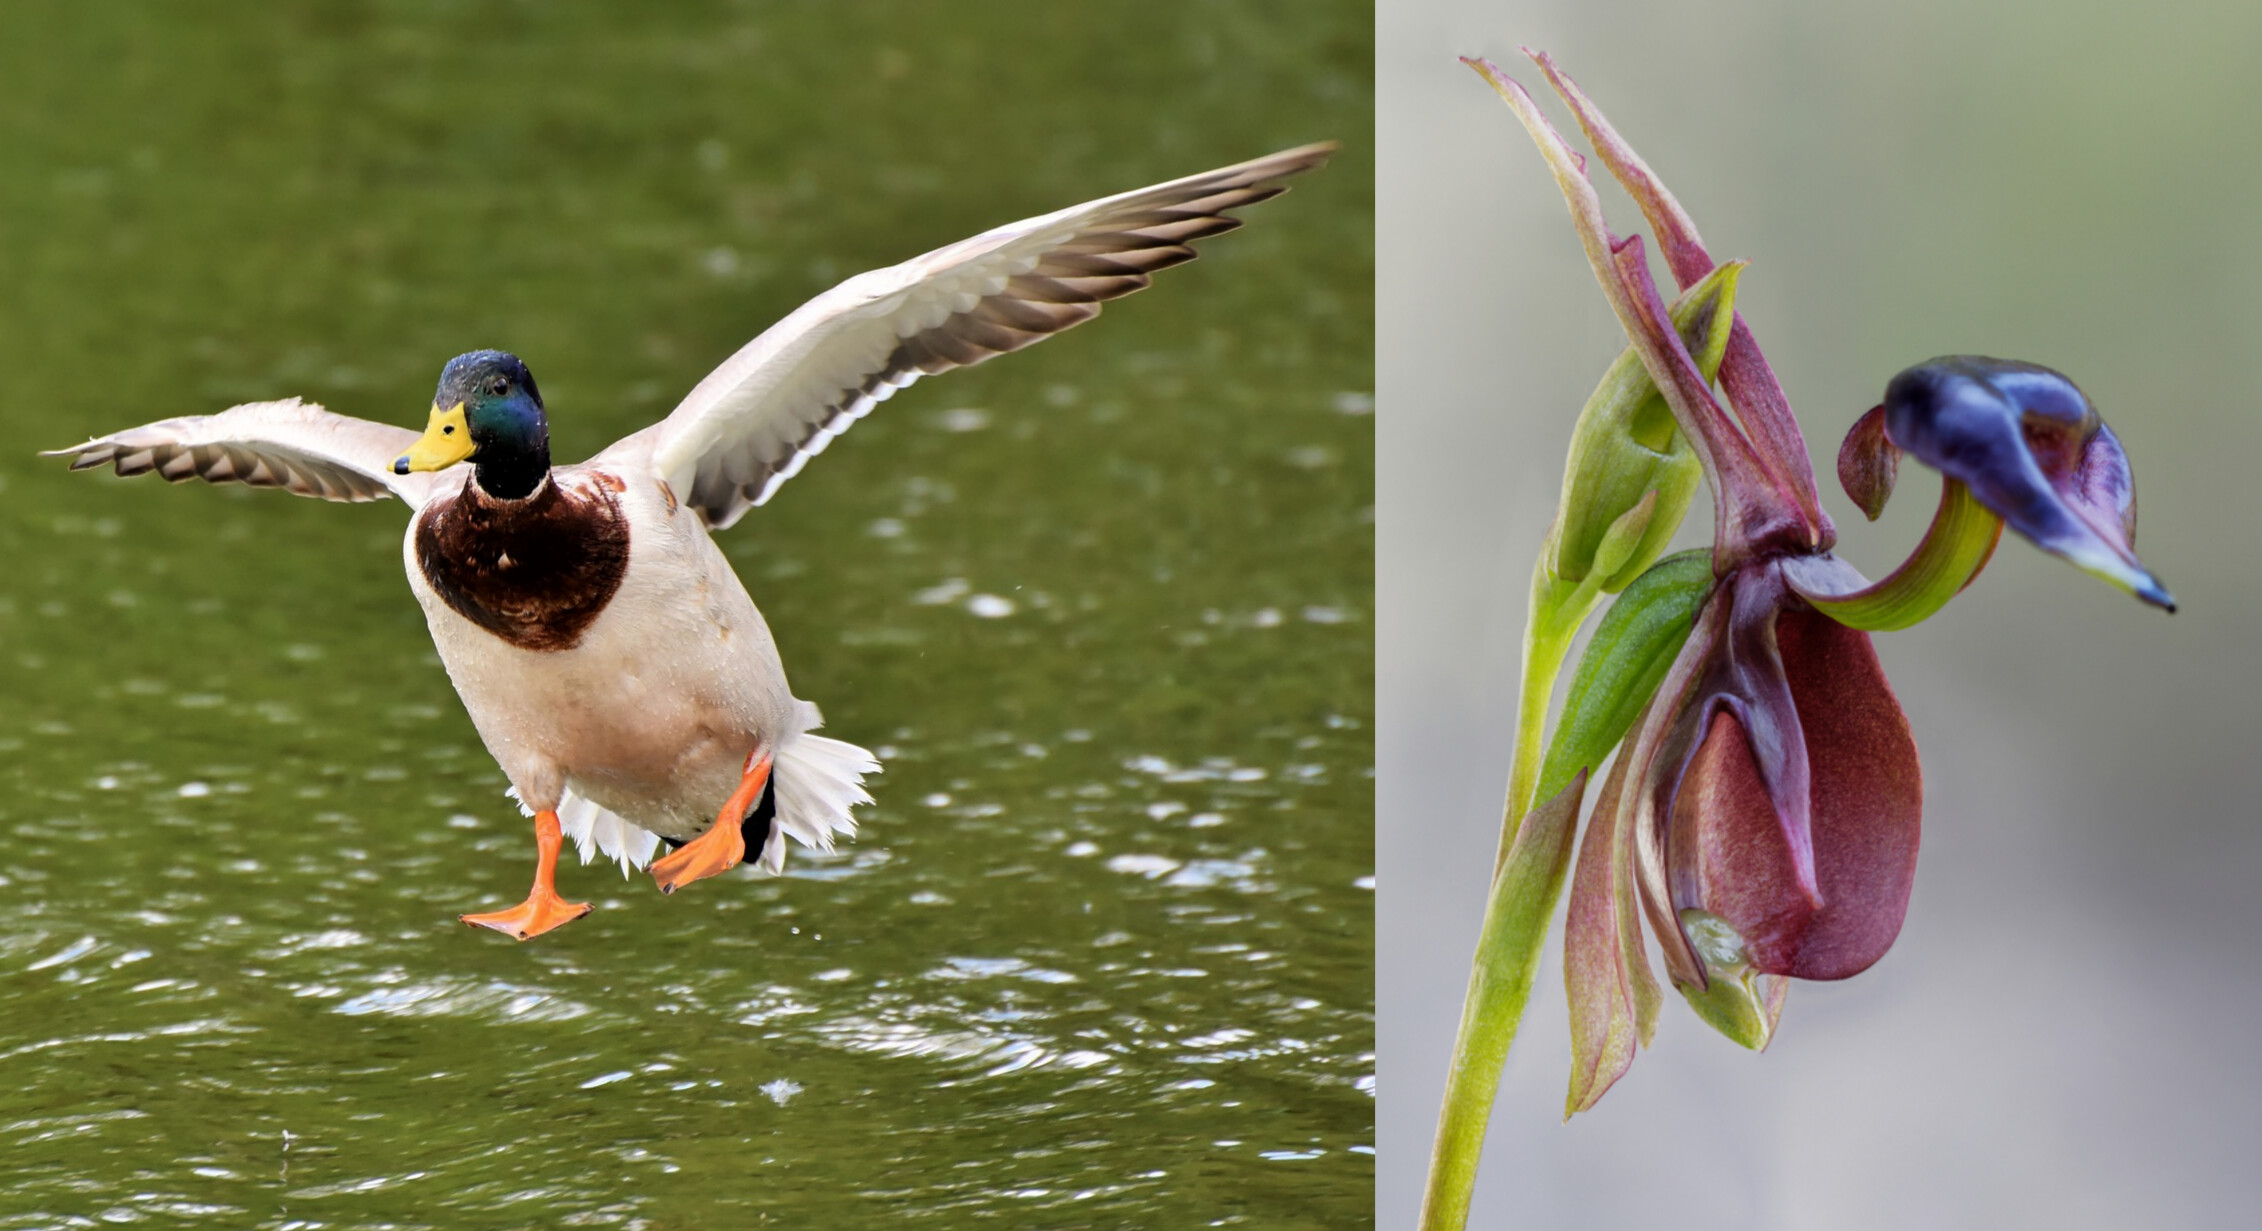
(461, 997)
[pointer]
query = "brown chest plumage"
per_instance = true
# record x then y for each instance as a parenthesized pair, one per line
(535, 572)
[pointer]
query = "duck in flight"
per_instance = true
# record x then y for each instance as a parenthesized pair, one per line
(610, 659)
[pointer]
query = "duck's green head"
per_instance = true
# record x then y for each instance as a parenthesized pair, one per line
(487, 411)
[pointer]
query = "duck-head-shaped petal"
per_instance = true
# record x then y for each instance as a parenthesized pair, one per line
(2029, 447)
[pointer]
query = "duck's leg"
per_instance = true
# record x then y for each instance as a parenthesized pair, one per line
(720, 848)
(543, 909)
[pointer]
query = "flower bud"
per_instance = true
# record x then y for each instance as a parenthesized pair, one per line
(1626, 446)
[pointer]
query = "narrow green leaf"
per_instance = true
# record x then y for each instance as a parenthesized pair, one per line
(1625, 661)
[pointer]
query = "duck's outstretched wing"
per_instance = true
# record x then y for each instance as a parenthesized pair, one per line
(294, 445)
(752, 423)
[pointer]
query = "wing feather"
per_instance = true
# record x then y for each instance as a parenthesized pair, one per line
(756, 420)
(294, 445)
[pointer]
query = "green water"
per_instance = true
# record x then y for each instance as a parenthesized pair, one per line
(1103, 955)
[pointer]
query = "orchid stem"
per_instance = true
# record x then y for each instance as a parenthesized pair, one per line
(1556, 613)
(1528, 877)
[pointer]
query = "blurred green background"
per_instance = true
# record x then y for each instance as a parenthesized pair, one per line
(2060, 1036)
(1103, 953)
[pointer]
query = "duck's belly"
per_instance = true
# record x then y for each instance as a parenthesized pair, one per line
(652, 711)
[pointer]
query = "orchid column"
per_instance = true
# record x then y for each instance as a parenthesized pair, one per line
(1760, 819)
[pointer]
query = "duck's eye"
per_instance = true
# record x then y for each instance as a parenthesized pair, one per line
(497, 386)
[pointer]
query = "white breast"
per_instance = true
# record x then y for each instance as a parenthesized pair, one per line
(653, 713)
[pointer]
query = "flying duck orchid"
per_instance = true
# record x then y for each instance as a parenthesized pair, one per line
(1760, 819)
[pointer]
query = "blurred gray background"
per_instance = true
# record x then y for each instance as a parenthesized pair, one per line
(2063, 1035)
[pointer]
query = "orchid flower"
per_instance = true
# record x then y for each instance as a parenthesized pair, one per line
(1760, 820)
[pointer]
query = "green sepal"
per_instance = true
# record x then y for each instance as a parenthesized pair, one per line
(1626, 446)
(1738, 1001)
(1625, 661)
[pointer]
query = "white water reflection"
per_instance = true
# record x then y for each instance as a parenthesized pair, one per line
(465, 998)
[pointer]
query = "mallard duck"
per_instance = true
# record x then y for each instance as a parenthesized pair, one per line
(611, 660)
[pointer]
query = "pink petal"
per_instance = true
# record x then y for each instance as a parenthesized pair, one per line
(1658, 750)
(1605, 970)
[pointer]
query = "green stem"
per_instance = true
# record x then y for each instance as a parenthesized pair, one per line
(1556, 612)
(1534, 861)
(1515, 924)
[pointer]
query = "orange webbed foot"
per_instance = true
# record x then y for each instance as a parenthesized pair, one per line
(543, 909)
(537, 914)
(722, 847)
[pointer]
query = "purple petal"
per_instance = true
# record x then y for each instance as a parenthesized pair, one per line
(1822, 576)
(1658, 751)
(2031, 448)
(1753, 687)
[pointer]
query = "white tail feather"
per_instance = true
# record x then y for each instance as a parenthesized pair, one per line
(817, 780)
(596, 831)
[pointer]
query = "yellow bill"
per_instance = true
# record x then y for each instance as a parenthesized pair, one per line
(446, 441)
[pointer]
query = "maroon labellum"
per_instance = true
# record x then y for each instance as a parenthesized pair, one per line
(1792, 815)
